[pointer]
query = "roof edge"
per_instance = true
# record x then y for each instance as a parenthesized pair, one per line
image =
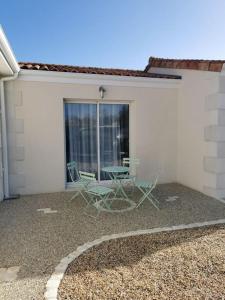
(188, 64)
(93, 70)
(76, 66)
(8, 52)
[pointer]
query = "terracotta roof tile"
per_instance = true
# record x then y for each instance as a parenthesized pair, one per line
(92, 70)
(190, 64)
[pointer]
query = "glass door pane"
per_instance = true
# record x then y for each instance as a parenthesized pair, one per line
(114, 135)
(81, 136)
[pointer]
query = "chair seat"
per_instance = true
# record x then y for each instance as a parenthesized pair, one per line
(99, 190)
(143, 184)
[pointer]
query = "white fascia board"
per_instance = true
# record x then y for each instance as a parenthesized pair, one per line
(7, 52)
(5, 69)
(96, 79)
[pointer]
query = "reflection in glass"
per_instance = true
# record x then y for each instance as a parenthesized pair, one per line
(114, 135)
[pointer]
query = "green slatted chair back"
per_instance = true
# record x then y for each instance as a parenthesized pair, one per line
(73, 171)
(132, 164)
(87, 176)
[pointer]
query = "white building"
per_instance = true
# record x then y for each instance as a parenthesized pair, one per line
(170, 115)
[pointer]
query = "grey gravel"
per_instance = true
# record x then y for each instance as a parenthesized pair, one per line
(183, 264)
(37, 242)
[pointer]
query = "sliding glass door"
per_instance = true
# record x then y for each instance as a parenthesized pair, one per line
(97, 135)
(114, 135)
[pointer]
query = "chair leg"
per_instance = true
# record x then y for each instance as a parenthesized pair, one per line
(98, 203)
(147, 195)
(154, 198)
(75, 195)
(85, 198)
(90, 201)
(130, 187)
(92, 216)
(142, 197)
(104, 201)
(111, 199)
(121, 190)
(93, 201)
(140, 201)
(153, 203)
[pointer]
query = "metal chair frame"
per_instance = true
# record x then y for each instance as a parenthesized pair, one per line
(82, 183)
(146, 188)
(97, 195)
(130, 176)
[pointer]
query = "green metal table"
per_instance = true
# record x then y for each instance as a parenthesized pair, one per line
(120, 194)
(113, 173)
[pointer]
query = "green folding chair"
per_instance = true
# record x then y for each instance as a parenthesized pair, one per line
(80, 184)
(100, 197)
(130, 177)
(146, 188)
(97, 195)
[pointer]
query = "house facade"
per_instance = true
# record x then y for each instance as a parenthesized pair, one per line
(170, 115)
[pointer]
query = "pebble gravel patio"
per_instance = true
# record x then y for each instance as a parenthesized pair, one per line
(35, 241)
(182, 264)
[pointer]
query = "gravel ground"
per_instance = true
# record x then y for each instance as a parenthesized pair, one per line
(186, 264)
(37, 242)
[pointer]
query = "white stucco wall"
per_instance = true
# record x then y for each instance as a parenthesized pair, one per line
(192, 148)
(36, 131)
(192, 119)
(214, 162)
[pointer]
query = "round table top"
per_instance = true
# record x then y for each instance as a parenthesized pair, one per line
(115, 169)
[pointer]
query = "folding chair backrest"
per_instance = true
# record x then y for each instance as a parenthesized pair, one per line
(87, 176)
(73, 171)
(131, 163)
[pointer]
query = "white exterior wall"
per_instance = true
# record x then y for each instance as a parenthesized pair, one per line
(193, 119)
(36, 130)
(214, 163)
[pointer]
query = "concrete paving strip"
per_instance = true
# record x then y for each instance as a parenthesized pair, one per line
(172, 198)
(47, 210)
(9, 274)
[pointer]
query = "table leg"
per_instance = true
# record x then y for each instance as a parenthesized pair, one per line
(119, 187)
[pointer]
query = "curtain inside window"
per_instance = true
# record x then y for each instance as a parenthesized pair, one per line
(114, 135)
(81, 136)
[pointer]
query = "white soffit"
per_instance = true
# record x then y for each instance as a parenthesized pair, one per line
(96, 79)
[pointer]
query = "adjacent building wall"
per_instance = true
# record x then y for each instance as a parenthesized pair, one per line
(215, 135)
(36, 131)
(193, 118)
